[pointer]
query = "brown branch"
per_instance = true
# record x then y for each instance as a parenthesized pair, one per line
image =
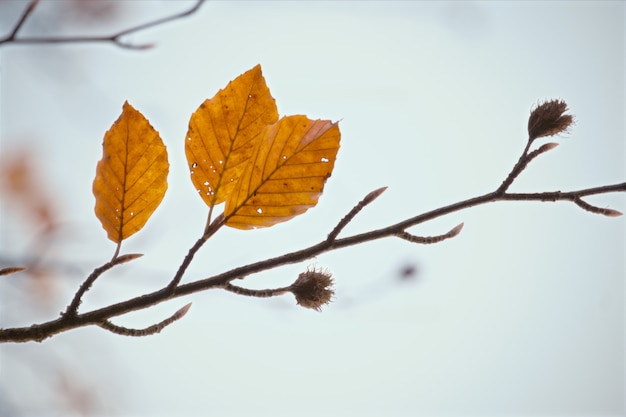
(114, 38)
(355, 210)
(594, 209)
(210, 230)
(523, 162)
(72, 308)
(100, 317)
(427, 240)
(148, 331)
(267, 293)
(40, 332)
(20, 22)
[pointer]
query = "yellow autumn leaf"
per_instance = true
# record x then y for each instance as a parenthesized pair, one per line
(223, 133)
(286, 174)
(131, 177)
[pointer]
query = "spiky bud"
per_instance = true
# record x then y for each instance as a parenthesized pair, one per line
(549, 119)
(313, 288)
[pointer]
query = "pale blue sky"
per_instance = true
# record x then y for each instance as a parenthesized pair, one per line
(521, 314)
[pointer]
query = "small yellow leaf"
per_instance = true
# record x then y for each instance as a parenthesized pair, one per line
(287, 173)
(224, 132)
(131, 177)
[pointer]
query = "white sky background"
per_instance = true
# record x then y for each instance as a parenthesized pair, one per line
(521, 314)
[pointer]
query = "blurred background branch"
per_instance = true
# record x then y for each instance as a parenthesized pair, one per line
(116, 38)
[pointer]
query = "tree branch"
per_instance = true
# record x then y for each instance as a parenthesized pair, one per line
(148, 331)
(427, 240)
(72, 308)
(267, 293)
(40, 332)
(114, 38)
(352, 214)
(312, 288)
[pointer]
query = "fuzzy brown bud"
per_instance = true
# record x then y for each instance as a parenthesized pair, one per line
(549, 119)
(313, 289)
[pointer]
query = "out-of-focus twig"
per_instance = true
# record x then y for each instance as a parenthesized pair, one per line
(115, 38)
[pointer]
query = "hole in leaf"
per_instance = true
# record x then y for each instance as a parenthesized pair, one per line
(206, 183)
(194, 165)
(324, 159)
(259, 210)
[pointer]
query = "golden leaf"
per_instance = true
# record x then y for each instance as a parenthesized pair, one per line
(224, 132)
(131, 177)
(287, 173)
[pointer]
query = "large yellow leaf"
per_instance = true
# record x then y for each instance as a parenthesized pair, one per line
(131, 177)
(287, 173)
(224, 132)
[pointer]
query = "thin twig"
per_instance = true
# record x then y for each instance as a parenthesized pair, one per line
(594, 209)
(156, 328)
(267, 293)
(72, 308)
(355, 210)
(209, 231)
(114, 38)
(427, 240)
(20, 22)
(565, 196)
(118, 247)
(522, 162)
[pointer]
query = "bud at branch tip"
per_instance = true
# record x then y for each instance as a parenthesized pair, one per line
(549, 119)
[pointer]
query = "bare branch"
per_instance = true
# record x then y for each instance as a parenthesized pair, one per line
(210, 230)
(427, 240)
(39, 332)
(114, 38)
(594, 209)
(564, 196)
(127, 258)
(20, 22)
(72, 308)
(521, 164)
(156, 328)
(355, 210)
(256, 293)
